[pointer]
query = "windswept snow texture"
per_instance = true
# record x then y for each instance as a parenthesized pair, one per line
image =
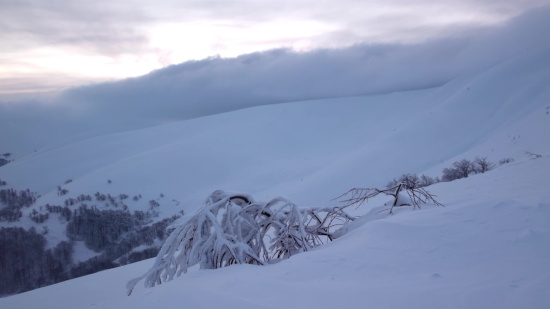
(487, 248)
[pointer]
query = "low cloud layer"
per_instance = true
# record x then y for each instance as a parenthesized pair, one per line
(100, 40)
(214, 85)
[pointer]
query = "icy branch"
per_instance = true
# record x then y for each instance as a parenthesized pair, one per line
(233, 228)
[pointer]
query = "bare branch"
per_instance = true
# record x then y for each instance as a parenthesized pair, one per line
(359, 196)
(234, 229)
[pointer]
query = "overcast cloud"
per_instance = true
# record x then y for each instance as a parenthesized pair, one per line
(51, 44)
(214, 85)
(208, 86)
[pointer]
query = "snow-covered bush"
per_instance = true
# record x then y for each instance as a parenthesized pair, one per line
(232, 228)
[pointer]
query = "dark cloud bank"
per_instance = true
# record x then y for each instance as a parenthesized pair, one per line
(214, 85)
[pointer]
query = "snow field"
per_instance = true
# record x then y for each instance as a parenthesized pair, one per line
(487, 248)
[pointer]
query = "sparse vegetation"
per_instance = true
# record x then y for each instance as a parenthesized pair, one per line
(153, 204)
(459, 169)
(61, 191)
(505, 160)
(13, 202)
(482, 165)
(532, 156)
(413, 181)
(114, 233)
(233, 228)
(4, 158)
(415, 197)
(38, 217)
(26, 264)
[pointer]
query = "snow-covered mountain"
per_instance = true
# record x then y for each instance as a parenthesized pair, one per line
(486, 248)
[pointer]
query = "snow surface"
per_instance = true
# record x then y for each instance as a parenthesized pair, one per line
(487, 248)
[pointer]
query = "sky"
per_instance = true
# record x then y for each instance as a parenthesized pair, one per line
(48, 46)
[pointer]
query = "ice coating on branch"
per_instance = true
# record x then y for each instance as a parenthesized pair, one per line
(232, 228)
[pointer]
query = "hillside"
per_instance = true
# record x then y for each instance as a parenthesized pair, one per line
(311, 152)
(487, 248)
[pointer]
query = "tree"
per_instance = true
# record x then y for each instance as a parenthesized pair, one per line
(412, 181)
(427, 181)
(482, 165)
(232, 228)
(450, 174)
(415, 197)
(464, 167)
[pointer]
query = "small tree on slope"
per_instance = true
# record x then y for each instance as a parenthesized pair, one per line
(415, 197)
(232, 228)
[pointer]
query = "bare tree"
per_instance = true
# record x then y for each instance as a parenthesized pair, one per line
(464, 167)
(416, 197)
(450, 174)
(427, 181)
(482, 165)
(412, 181)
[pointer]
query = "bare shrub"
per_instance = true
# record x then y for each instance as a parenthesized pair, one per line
(533, 156)
(464, 167)
(482, 165)
(426, 181)
(413, 181)
(416, 197)
(450, 174)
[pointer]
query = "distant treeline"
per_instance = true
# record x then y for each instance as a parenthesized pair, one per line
(459, 169)
(26, 264)
(4, 158)
(14, 201)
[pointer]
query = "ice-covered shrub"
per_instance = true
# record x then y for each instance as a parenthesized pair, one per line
(233, 228)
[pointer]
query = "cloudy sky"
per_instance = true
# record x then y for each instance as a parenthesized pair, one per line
(51, 45)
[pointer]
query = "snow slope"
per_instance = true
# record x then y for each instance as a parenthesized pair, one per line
(487, 248)
(301, 148)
